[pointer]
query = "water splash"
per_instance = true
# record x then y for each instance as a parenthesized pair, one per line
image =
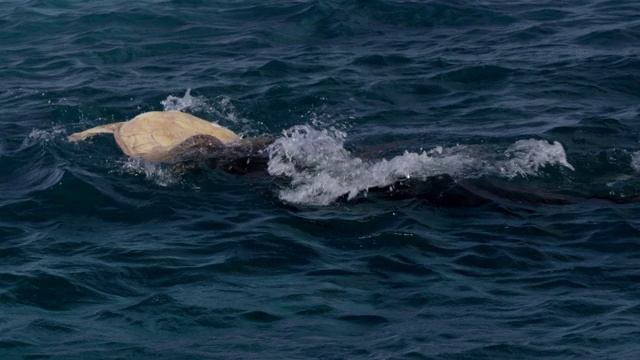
(221, 107)
(185, 103)
(526, 157)
(321, 170)
(45, 136)
(635, 161)
(163, 175)
(225, 109)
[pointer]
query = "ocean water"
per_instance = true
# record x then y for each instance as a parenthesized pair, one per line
(449, 180)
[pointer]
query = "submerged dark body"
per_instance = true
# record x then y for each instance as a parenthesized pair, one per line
(108, 257)
(444, 190)
(440, 190)
(250, 157)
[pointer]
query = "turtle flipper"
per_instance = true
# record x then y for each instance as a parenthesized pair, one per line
(107, 128)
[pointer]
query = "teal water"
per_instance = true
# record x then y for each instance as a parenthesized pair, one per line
(450, 180)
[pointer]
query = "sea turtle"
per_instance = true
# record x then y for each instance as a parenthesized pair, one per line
(174, 136)
(177, 137)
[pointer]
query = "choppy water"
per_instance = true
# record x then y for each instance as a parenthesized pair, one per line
(451, 179)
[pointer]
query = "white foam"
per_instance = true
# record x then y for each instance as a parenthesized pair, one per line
(526, 157)
(635, 161)
(321, 170)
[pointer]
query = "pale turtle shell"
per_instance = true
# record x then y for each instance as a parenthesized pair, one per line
(154, 135)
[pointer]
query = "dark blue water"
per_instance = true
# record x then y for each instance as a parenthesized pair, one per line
(450, 180)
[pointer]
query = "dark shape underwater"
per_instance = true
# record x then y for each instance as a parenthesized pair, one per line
(194, 150)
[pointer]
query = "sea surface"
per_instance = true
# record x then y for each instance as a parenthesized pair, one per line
(449, 180)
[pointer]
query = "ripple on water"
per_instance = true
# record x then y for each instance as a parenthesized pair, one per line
(450, 180)
(49, 292)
